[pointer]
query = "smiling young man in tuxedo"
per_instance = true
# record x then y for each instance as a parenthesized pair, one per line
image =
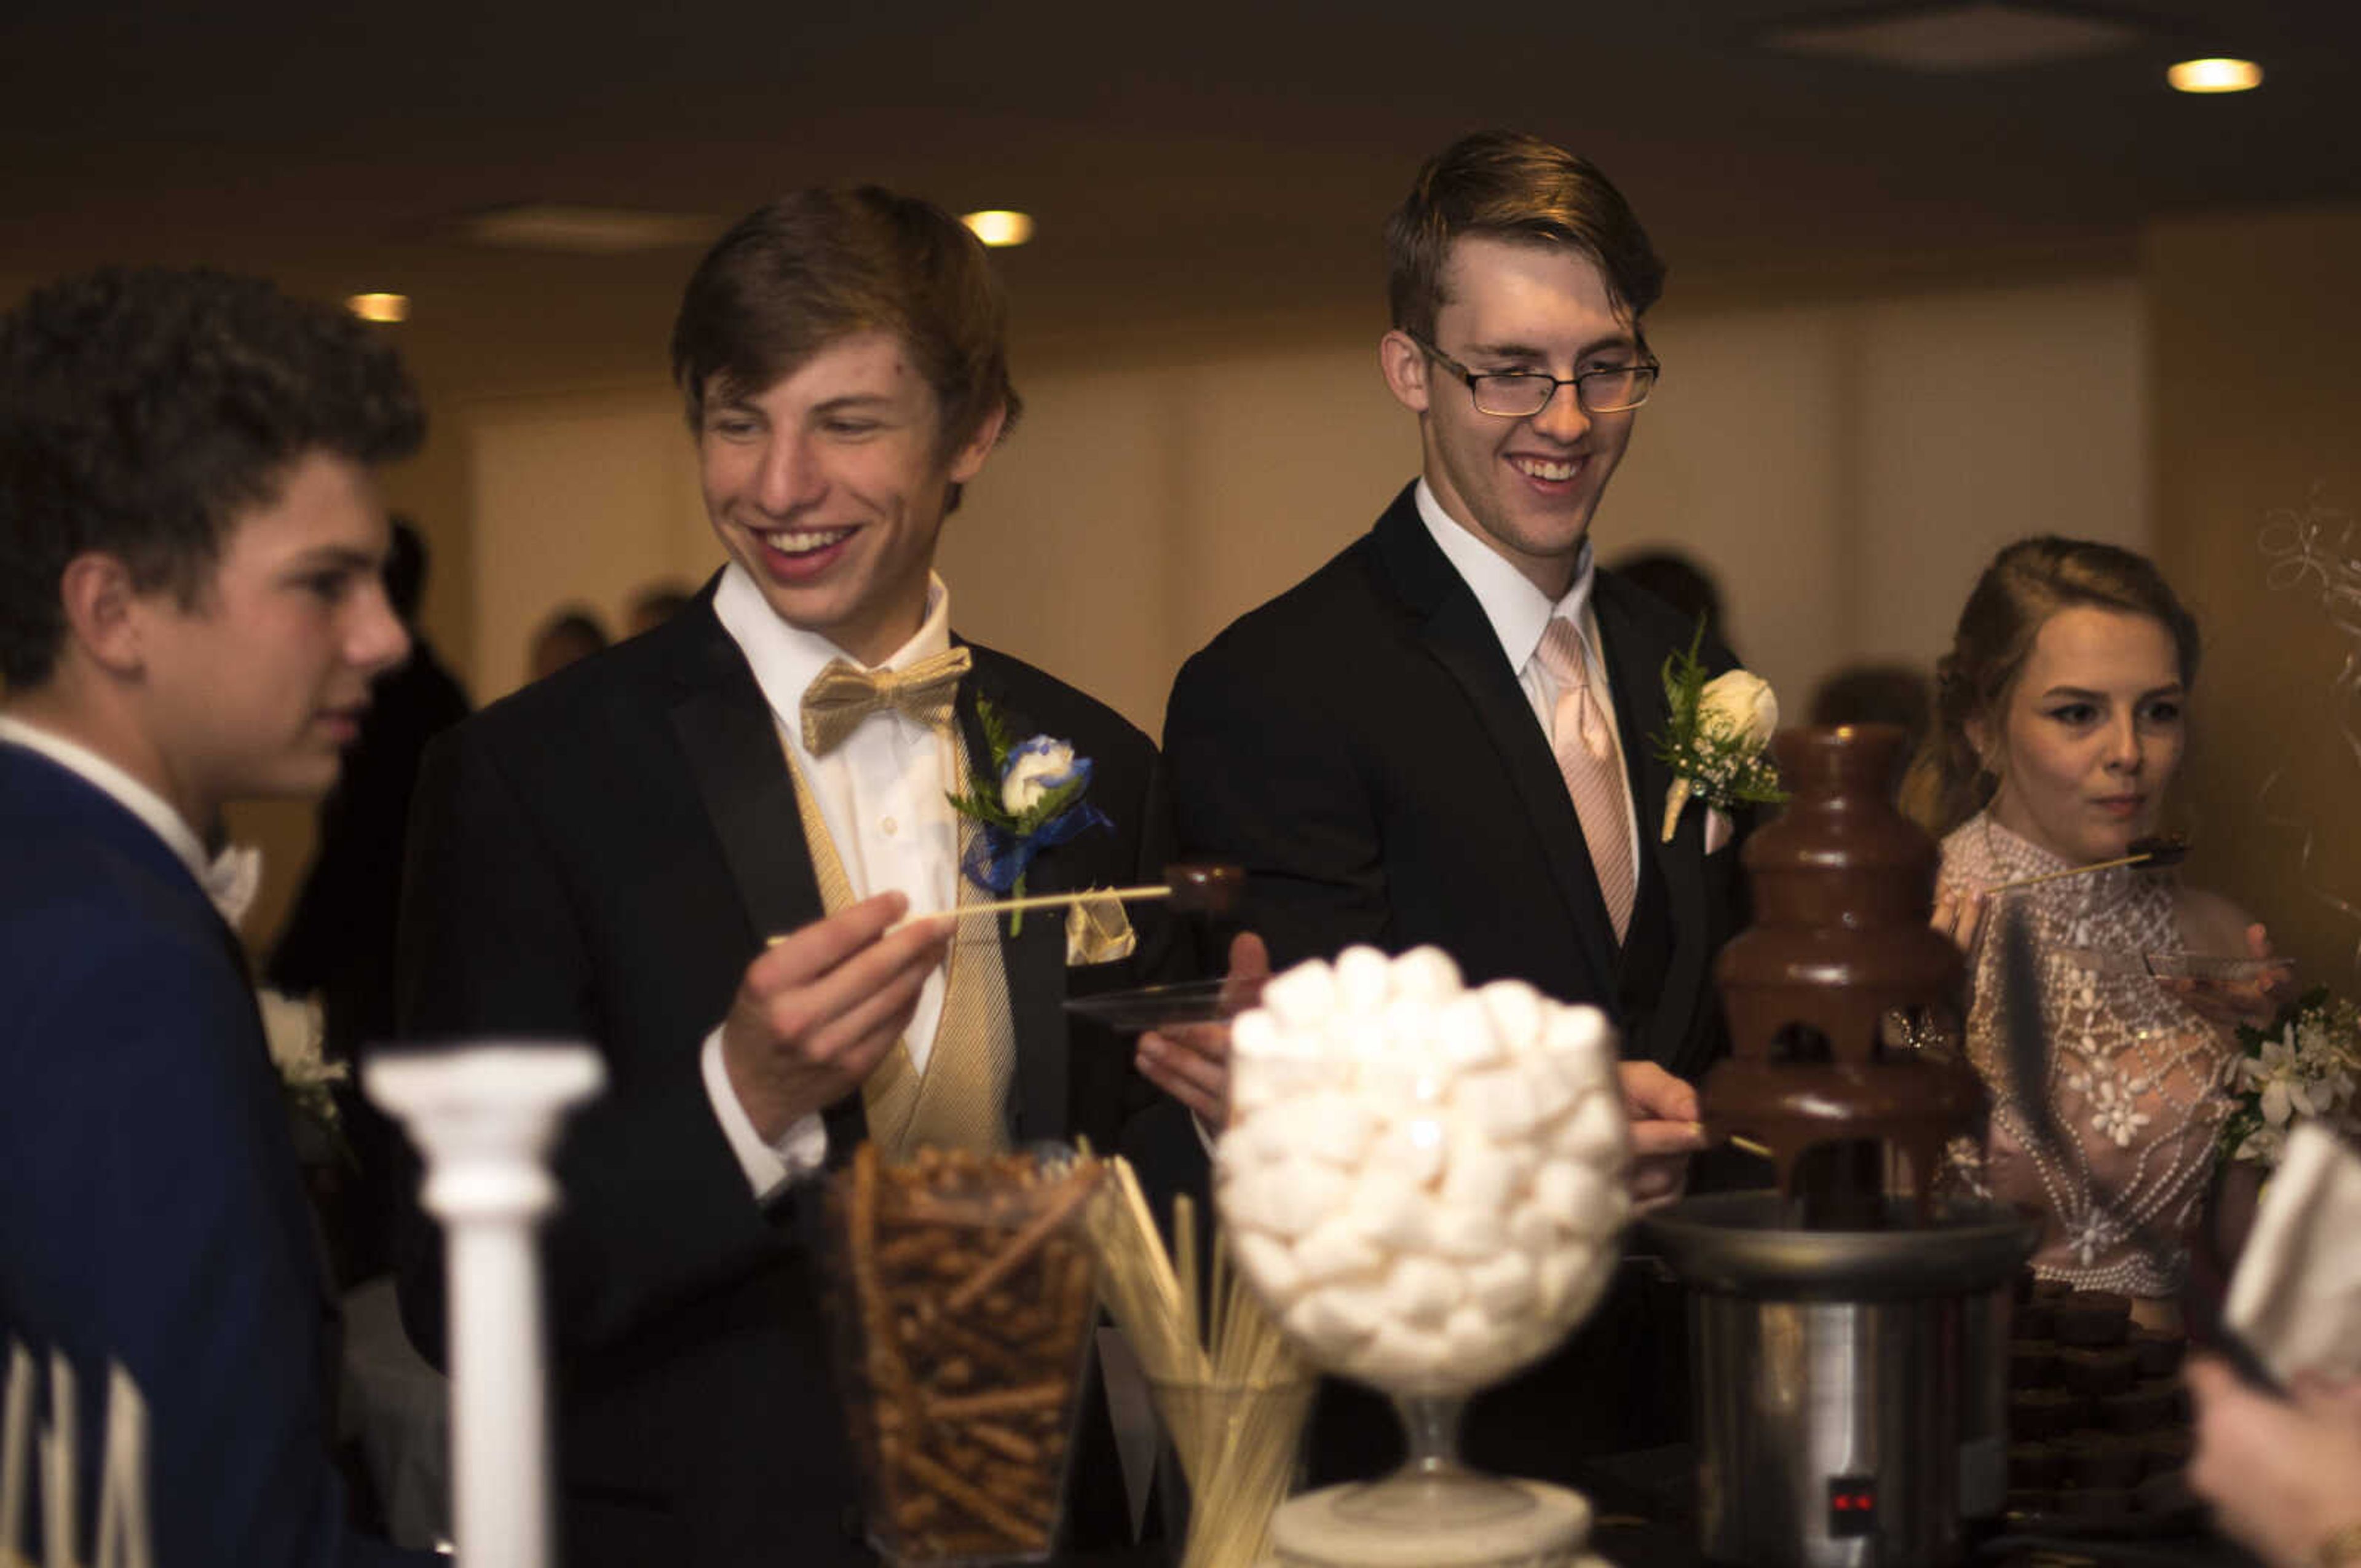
(190, 614)
(608, 853)
(1443, 736)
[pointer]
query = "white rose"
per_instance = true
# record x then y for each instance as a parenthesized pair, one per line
(1034, 768)
(1742, 702)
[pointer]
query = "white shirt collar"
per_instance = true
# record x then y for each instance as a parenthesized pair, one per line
(229, 879)
(1518, 611)
(785, 659)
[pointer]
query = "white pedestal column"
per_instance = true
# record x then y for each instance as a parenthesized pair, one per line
(485, 1117)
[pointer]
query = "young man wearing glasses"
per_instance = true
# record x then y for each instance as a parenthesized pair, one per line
(1443, 736)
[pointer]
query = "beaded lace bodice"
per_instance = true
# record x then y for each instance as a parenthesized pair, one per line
(2134, 1074)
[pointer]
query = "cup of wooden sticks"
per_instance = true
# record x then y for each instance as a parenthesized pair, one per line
(1232, 1392)
(963, 1306)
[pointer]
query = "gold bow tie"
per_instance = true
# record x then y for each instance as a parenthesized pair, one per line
(841, 696)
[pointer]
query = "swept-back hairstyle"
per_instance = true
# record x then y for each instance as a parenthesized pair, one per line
(816, 266)
(142, 411)
(2026, 583)
(1507, 185)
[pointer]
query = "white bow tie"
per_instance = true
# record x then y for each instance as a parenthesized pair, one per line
(233, 879)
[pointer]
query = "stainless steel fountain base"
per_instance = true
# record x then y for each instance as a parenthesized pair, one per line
(1850, 1385)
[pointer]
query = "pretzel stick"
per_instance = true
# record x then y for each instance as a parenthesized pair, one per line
(999, 1402)
(1075, 1189)
(979, 1504)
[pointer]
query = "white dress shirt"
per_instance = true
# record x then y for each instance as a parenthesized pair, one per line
(882, 794)
(1519, 612)
(229, 879)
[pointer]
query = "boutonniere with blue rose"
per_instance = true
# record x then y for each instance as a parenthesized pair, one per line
(1030, 799)
(1718, 744)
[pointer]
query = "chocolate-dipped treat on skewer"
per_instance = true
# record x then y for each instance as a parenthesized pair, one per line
(1206, 890)
(1210, 889)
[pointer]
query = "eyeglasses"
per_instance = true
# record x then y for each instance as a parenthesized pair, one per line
(1521, 394)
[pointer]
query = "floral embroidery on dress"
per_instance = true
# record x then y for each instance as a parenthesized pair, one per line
(2135, 1077)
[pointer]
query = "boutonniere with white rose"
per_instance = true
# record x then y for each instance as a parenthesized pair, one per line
(1027, 800)
(1718, 744)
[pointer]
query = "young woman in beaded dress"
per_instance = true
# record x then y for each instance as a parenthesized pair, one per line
(2060, 727)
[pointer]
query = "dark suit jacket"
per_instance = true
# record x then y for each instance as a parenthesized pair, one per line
(599, 857)
(153, 1215)
(1362, 747)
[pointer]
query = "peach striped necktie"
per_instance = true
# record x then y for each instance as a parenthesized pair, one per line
(1593, 768)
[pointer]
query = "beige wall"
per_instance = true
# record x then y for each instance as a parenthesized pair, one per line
(2256, 324)
(1843, 468)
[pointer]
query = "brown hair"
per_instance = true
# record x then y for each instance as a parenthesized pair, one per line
(144, 410)
(2026, 583)
(1509, 185)
(816, 266)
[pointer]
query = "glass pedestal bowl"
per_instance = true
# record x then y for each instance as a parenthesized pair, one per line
(1425, 1185)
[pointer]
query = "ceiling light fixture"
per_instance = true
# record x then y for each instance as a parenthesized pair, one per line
(379, 307)
(997, 226)
(2214, 76)
(585, 231)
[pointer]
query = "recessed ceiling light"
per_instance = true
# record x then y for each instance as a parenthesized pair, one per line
(2215, 75)
(379, 307)
(997, 226)
(587, 231)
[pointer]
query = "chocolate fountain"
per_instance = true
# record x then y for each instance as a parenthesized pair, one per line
(1848, 1328)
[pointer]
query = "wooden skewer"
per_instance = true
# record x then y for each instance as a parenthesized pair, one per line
(2140, 859)
(1744, 1145)
(1044, 900)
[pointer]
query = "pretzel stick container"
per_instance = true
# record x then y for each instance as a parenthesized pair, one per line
(963, 1298)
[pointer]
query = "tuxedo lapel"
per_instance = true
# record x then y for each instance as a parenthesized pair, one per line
(731, 746)
(1455, 633)
(1635, 671)
(1034, 959)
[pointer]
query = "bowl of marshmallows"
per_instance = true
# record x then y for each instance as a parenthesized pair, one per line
(1424, 1181)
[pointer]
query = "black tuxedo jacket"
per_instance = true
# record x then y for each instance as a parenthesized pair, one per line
(599, 857)
(1360, 744)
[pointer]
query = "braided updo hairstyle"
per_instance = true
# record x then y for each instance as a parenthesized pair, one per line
(2026, 583)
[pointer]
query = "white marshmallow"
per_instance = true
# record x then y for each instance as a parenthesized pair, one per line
(1413, 1149)
(1463, 1232)
(1502, 1284)
(1270, 1266)
(1327, 1125)
(1516, 1010)
(1426, 974)
(1556, 1273)
(1420, 1290)
(1480, 1174)
(1335, 1249)
(1581, 1040)
(1473, 1336)
(1593, 1133)
(1579, 1196)
(1392, 1210)
(1359, 1036)
(1334, 1319)
(1286, 1197)
(1408, 1082)
(1465, 1036)
(1552, 1095)
(1364, 980)
(1533, 1229)
(1255, 1033)
(1302, 998)
(1400, 1354)
(1497, 1102)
